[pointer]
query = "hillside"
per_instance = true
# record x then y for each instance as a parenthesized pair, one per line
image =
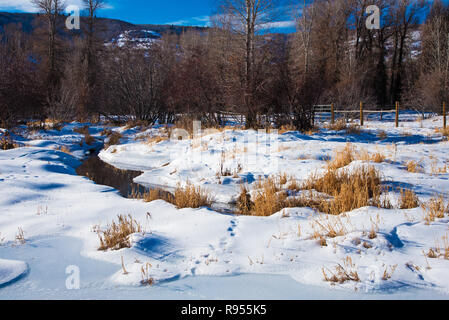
(112, 28)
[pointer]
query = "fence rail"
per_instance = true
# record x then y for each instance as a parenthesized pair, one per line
(320, 109)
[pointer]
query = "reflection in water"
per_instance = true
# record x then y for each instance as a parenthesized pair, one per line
(102, 173)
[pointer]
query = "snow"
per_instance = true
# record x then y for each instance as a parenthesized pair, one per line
(11, 270)
(188, 250)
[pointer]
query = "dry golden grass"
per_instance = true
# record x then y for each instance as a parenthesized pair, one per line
(337, 126)
(155, 140)
(360, 188)
(343, 273)
(64, 149)
(158, 194)
(440, 251)
(293, 185)
(20, 236)
(373, 157)
(6, 143)
(326, 226)
(435, 208)
(444, 132)
(283, 179)
(342, 157)
(147, 279)
(286, 128)
(137, 123)
(192, 197)
(116, 235)
(184, 197)
(268, 199)
(387, 275)
(244, 203)
(408, 200)
(353, 129)
(414, 167)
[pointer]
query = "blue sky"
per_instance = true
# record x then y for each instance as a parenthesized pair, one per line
(179, 12)
(161, 12)
(184, 12)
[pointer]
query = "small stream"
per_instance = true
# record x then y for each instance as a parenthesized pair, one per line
(102, 173)
(105, 174)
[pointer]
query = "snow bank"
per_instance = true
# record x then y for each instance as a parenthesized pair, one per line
(11, 270)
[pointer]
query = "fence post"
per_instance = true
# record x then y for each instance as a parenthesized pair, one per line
(397, 114)
(444, 115)
(361, 115)
(333, 113)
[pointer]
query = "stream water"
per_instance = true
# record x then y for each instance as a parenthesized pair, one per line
(103, 173)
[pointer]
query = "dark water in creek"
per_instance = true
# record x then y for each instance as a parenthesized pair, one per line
(102, 173)
(123, 180)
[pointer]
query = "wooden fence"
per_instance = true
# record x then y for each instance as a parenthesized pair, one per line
(330, 109)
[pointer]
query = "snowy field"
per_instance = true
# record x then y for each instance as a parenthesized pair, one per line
(50, 216)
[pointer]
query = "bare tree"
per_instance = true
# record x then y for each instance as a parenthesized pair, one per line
(246, 18)
(51, 10)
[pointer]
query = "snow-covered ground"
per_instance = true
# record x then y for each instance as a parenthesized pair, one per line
(200, 253)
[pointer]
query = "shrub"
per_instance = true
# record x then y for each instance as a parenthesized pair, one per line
(116, 235)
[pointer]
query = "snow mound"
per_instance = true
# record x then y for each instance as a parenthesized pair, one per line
(11, 270)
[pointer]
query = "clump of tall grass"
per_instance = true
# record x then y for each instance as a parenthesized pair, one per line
(342, 273)
(342, 157)
(346, 190)
(269, 199)
(6, 143)
(440, 251)
(183, 197)
(116, 235)
(357, 189)
(339, 125)
(435, 208)
(375, 157)
(414, 167)
(408, 200)
(192, 197)
(158, 194)
(244, 204)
